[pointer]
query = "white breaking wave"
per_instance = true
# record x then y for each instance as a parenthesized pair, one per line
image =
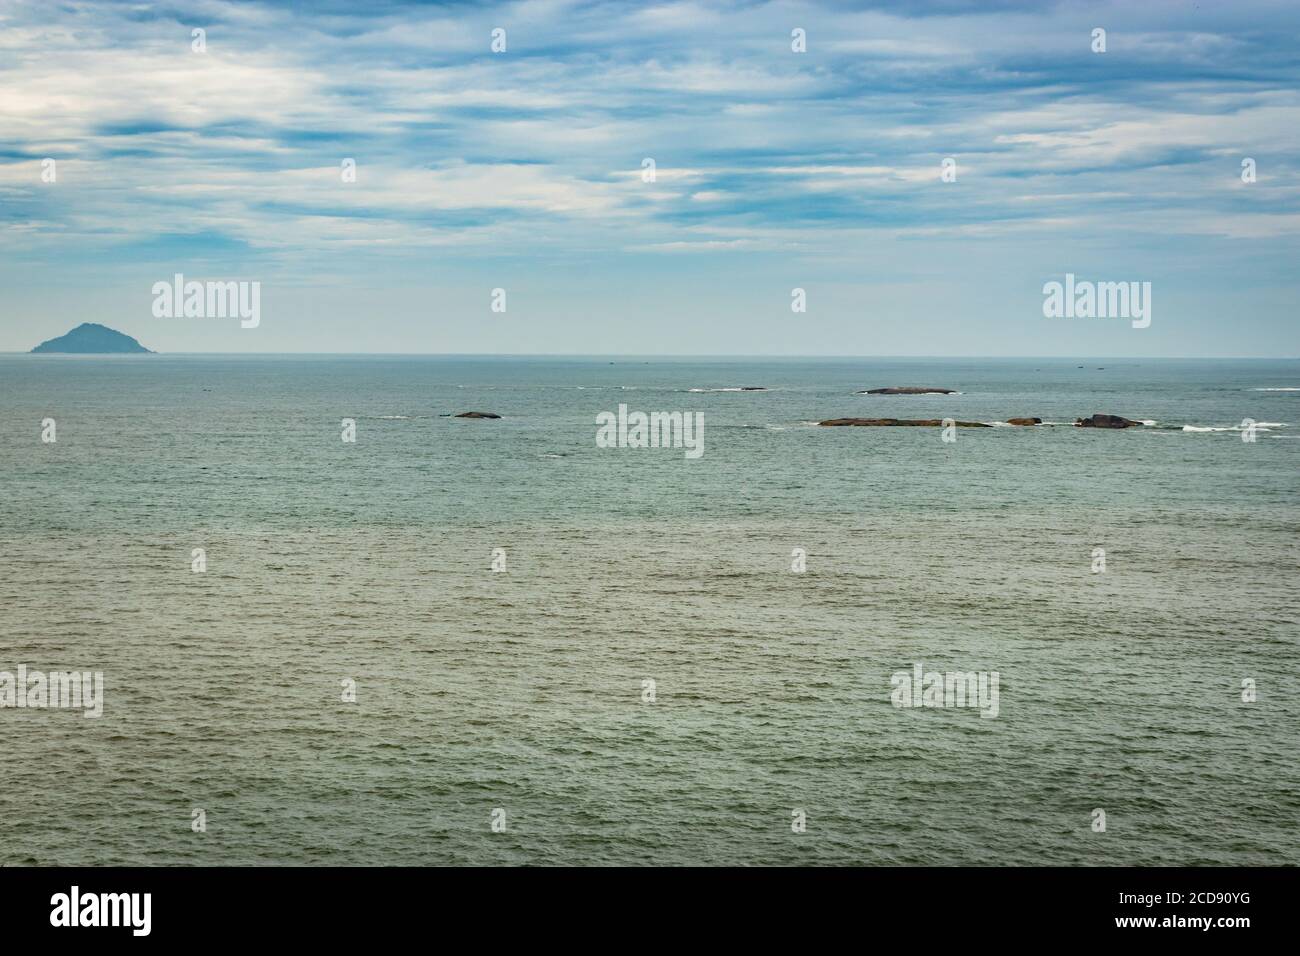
(1259, 426)
(1288, 388)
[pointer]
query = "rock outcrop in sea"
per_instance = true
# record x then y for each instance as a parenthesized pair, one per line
(476, 415)
(1105, 421)
(907, 390)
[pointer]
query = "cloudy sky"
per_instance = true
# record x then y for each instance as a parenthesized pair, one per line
(522, 170)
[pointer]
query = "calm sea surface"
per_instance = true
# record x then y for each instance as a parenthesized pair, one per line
(523, 691)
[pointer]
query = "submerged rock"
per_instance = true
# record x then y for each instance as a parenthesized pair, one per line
(476, 415)
(1105, 421)
(1024, 421)
(887, 422)
(907, 390)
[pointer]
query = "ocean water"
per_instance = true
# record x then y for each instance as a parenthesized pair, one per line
(522, 691)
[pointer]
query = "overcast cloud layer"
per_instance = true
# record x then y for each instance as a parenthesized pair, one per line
(775, 170)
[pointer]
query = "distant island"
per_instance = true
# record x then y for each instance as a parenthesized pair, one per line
(90, 338)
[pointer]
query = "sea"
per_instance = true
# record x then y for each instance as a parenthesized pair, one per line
(459, 641)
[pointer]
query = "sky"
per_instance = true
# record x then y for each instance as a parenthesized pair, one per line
(774, 170)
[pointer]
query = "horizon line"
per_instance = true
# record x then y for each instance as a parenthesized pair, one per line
(663, 356)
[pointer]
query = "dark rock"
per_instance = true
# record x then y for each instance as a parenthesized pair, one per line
(753, 388)
(907, 390)
(1105, 421)
(90, 338)
(885, 422)
(1024, 421)
(477, 415)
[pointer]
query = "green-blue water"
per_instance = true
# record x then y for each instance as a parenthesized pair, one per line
(523, 690)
